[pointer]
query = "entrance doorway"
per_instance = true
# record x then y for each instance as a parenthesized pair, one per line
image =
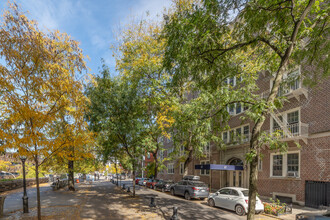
(235, 177)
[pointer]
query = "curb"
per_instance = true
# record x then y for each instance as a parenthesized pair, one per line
(271, 216)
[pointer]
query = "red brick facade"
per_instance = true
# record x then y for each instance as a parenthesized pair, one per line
(312, 107)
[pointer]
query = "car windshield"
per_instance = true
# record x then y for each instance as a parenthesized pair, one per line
(168, 181)
(245, 192)
(198, 184)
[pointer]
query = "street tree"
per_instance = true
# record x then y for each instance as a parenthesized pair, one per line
(38, 82)
(115, 113)
(139, 58)
(209, 41)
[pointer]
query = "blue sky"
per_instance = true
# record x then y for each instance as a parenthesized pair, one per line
(94, 23)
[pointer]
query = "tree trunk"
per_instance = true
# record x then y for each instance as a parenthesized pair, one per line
(38, 189)
(71, 176)
(187, 162)
(133, 181)
(156, 164)
(116, 172)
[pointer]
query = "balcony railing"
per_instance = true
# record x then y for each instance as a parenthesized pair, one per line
(238, 140)
(297, 130)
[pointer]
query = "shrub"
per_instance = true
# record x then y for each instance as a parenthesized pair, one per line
(275, 207)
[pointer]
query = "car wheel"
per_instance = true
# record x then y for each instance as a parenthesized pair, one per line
(239, 210)
(211, 202)
(187, 196)
(172, 192)
(163, 189)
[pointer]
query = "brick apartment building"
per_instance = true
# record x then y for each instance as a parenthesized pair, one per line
(302, 175)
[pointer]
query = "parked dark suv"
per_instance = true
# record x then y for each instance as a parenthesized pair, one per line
(190, 187)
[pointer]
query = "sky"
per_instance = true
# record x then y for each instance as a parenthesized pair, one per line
(94, 23)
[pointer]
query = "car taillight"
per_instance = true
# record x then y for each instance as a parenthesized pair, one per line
(194, 188)
(247, 201)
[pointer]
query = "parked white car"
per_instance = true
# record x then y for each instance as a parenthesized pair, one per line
(234, 198)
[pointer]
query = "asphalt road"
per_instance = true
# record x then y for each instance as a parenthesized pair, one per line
(192, 209)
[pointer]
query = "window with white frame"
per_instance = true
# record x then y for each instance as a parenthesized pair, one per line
(236, 135)
(291, 119)
(170, 168)
(181, 168)
(291, 82)
(246, 133)
(182, 150)
(169, 151)
(286, 165)
(236, 108)
(225, 137)
(203, 171)
(277, 165)
(276, 126)
(293, 163)
(206, 149)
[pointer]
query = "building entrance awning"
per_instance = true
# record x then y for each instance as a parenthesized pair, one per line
(217, 167)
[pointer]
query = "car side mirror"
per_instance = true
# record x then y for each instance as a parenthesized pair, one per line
(217, 193)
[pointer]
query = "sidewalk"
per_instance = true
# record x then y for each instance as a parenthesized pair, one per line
(296, 209)
(91, 200)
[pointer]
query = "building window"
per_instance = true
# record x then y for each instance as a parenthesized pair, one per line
(182, 151)
(277, 165)
(246, 133)
(206, 149)
(232, 81)
(286, 165)
(170, 168)
(148, 155)
(293, 163)
(293, 121)
(181, 168)
(276, 126)
(225, 137)
(203, 171)
(232, 109)
(290, 119)
(237, 135)
(169, 151)
(238, 108)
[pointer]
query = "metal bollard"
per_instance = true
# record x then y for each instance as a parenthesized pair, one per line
(123, 186)
(128, 189)
(175, 213)
(152, 202)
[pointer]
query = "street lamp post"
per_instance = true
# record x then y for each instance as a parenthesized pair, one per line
(25, 198)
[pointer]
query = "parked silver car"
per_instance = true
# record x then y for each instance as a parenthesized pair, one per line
(190, 189)
(234, 198)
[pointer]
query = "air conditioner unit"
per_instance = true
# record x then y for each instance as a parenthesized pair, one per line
(292, 174)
